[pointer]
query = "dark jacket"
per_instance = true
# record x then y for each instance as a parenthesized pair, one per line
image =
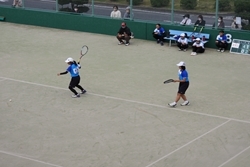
(124, 30)
(221, 25)
(200, 23)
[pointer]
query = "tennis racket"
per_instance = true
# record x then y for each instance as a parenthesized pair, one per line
(168, 81)
(200, 32)
(193, 33)
(83, 52)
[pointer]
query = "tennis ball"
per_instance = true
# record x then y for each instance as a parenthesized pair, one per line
(10, 100)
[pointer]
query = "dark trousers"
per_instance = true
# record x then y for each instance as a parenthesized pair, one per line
(198, 49)
(158, 37)
(221, 45)
(182, 46)
(75, 83)
(123, 37)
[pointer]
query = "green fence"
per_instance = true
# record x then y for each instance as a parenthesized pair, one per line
(85, 23)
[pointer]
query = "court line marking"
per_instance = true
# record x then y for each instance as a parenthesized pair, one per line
(132, 101)
(2, 80)
(190, 142)
(234, 156)
(31, 159)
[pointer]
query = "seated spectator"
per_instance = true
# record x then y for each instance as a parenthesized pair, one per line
(221, 23)
(198, 47)
(116, 13)
(159, 34)
(17, 3)
(236, 25)
(127, 14)
(200, 22)
(221, 41)
(182, 42)
(124, 33)
(186, 20)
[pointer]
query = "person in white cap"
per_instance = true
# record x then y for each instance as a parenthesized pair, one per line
(182, 42)
(73, 69)
(198, 47)
(183, 85)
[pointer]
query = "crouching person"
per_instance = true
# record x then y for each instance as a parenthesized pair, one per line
(124, 34)
(182, 43)
(198, 47)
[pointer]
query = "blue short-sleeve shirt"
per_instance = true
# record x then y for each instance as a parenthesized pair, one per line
(73, 70)
(183, 74)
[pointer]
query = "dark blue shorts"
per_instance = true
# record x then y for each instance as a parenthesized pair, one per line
(183, 86)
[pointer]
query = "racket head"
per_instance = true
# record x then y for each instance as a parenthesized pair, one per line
(84, 50)
(168, 81)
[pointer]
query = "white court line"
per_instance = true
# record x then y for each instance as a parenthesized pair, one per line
(132, 101)
(234, 156)
(2, 80)
(187, 143)
(31, 159)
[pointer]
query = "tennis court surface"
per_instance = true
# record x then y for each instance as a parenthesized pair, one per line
(123, 120)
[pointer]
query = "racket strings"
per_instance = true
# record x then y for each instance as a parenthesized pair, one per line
(84, 50)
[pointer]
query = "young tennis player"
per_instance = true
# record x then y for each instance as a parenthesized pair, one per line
(75, 77)
(183, 85)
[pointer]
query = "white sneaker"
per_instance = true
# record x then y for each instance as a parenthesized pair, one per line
(75, 96)
(185, 103)
(222, 50)
(194, 53)
(172, 104)
(120, 43)
(219, 50)
(185, 50)
(180, 50)
(127, 44)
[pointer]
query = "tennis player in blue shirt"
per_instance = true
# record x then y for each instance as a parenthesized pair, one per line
(73, 69)
(183, 85)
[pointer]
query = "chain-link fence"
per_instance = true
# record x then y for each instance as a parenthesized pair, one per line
(222, 14)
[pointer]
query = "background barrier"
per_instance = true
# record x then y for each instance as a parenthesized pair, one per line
(108, 26)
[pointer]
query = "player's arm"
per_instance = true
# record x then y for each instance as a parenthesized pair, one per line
(183, 80)
(63, 73)
(184, 77)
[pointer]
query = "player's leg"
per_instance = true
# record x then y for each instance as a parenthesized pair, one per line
(200, 50)
(178, 96)
(179, 45)
(185, 46)
(223, 46)
(157, 38)
(72, 85)
(127, 38)
(79, 86)
(161, 38)
(194, 49)
(182, 91)
(119, 37)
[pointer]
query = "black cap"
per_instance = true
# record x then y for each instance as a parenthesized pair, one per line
(186, 15)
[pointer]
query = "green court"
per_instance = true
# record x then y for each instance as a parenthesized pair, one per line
(123, 120)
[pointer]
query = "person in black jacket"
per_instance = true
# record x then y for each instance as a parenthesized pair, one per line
(200, 22)
(124, 33)
(221, 23)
